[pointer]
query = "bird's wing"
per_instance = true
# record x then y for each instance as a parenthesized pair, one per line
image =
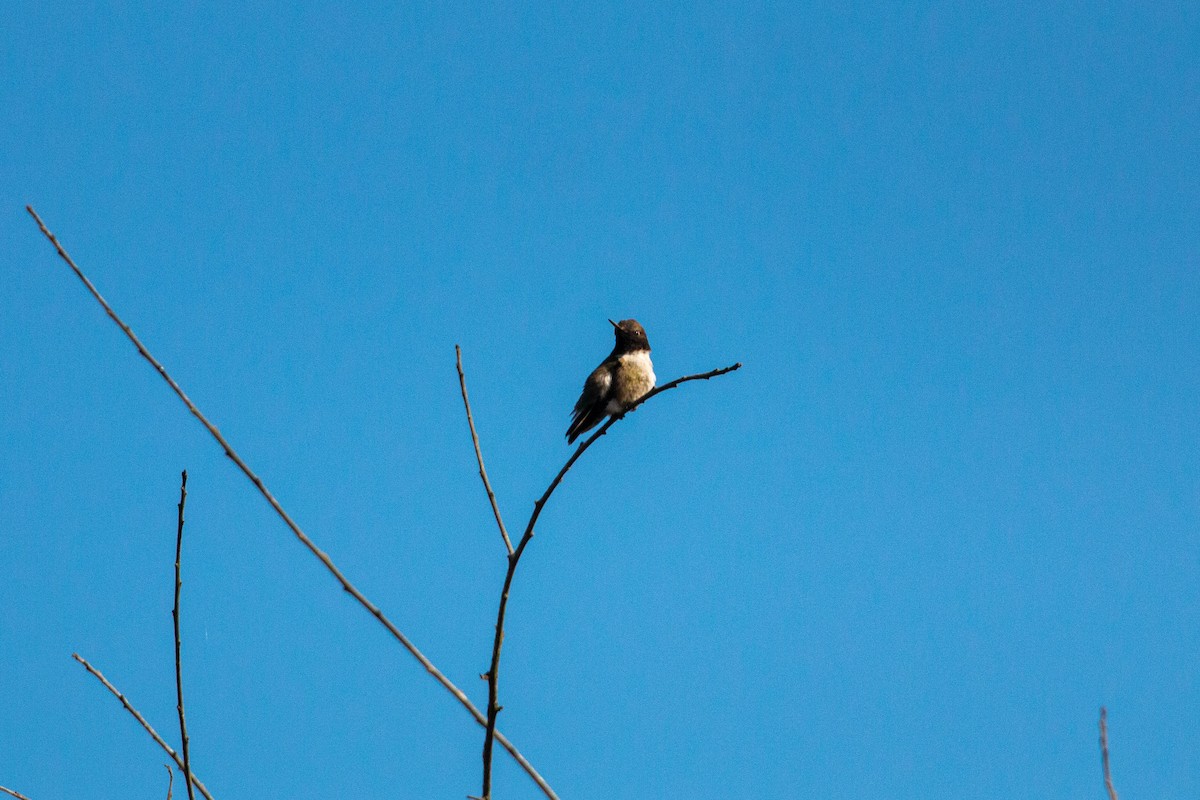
(595, 389)
(590, 407)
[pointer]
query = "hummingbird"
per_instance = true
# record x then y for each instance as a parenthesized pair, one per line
(620, 381)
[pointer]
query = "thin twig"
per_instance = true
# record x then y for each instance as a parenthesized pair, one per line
(17, 795)
(348, 587)
(493, 673)
(141, 720)
(170, 780)
(487, 485)
(1108, 784)
(183, 734)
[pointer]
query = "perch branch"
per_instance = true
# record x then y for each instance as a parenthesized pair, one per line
(487, 485)
(141, 720)
(493, 673)
(348, 587)
(1108, 783)
(183, 734)
(13, 793)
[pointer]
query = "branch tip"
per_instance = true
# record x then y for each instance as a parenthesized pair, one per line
(1108, 783)
(141, 720)
(183, 732)
(487, 484)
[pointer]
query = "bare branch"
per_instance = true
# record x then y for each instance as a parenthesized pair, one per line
(1108, 784)
(12, 793)
(348, 587)
(141, 720)
(183, 734)
(170, 780)
(487, 485)
(493, 673)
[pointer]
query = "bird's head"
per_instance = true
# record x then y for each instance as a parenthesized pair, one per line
(631, 336)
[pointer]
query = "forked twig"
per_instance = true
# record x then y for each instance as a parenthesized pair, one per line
(487, 485)
(183, 734)
(12, 793)
(493, 673)
(1108, 784)
(141, 720)
(348, 587)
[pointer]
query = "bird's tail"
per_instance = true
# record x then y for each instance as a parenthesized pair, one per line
(584, 420)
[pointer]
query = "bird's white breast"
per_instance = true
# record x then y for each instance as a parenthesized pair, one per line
(634, 377)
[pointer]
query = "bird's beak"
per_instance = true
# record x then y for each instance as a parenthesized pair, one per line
(615, 325)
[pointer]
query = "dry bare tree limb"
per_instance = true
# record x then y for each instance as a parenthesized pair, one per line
(348, 587)
(12, 793)
(183, 734)
(141, 720)
(1108, 783)
(493, 672)
(487, 485)
(170, 780)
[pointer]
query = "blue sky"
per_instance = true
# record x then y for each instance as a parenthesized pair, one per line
(948, 508)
